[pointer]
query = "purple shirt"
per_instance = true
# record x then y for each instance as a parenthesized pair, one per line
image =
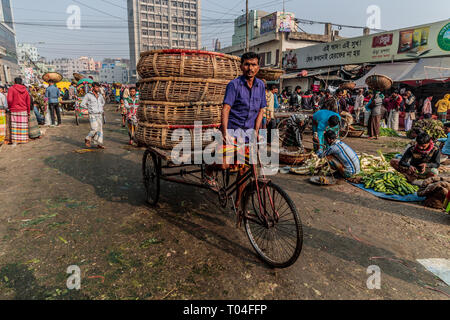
(245, 102)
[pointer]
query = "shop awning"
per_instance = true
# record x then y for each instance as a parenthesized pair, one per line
(311, 73)
(429, 69)
(329, 78)
(395, 71)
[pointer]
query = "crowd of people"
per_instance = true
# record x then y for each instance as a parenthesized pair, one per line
(372, 109)
(24, 108)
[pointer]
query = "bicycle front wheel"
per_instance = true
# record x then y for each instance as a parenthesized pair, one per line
(272, 224)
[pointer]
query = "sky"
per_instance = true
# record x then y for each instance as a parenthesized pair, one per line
(104, 27)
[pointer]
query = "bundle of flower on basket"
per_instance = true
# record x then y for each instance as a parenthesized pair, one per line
(180, 88)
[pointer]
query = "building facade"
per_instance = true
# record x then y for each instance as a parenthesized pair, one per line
(254, 21)
(114, 72)
(162, 24)
(67, 67)
(26, 52)
(9, 67)
(265, 36)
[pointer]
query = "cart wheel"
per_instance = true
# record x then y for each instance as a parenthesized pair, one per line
(276, 233)
(77, 121)
(151, 170)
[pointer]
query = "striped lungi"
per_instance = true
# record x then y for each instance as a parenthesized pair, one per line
(2, 126)
(19, 127)
(34, 131)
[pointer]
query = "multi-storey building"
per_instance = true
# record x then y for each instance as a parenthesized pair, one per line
(162, 24)
(26, 52)
(9, 67)
(67, 67)
(114, 72)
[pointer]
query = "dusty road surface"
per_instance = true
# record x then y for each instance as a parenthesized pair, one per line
(61, 208)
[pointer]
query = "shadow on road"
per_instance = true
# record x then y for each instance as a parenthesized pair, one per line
(22, 280)
(357, 252)
(113, 177)
(400, 208)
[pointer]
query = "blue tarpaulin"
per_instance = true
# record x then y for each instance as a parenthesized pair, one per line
(408, 198)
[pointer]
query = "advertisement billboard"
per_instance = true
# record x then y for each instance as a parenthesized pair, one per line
(405, 44)
(268, 23)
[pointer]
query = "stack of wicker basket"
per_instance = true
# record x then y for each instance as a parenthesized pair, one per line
(179, 87)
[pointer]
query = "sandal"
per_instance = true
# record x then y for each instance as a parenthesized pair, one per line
(87, 143)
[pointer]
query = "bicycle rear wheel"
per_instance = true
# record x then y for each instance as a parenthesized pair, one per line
(275, 232)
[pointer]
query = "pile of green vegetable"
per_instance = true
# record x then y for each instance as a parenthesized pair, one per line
(434, 128)
(377, 174)
(389, 156)
(388, 132)
(389, 183)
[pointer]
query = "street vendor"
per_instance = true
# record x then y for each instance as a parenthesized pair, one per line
(341, 157)
(131, 104)
(324, 120)
(296, 124)
(420, 161)
(94, 102)
(245, 99)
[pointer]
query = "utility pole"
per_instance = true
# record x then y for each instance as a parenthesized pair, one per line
(247, 46)
(280, 58)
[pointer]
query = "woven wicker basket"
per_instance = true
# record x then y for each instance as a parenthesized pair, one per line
(294, 159)
(188, 63)
(269, 74)
(179, 113)
(355, 133)
(379, 82)
(52, 76)
(78, 76)
(174, 89)
(160, 136)
(348, 86)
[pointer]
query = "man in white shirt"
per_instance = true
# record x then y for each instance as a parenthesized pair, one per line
(359, 104)
(94, 102)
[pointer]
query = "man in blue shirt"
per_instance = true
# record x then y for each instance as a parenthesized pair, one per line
(274, 90)
(322, 121)
(245, 98)
(52, 94)
(445, 149)
(340, 156)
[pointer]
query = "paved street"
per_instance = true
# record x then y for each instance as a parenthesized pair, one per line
(62, 208)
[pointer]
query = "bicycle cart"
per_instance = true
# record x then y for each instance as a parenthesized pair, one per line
(270, 217)
(68, 105)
